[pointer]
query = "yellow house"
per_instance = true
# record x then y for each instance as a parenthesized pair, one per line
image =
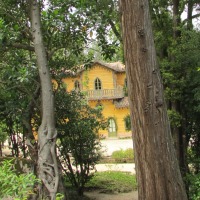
(104, 85)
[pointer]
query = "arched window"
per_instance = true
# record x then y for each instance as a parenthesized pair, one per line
(97, 84)
(112, 126)
(77, 85)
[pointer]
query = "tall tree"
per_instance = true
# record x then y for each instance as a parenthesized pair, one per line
(177, 52)
(47, 159)
(157, 168)
(179, 69)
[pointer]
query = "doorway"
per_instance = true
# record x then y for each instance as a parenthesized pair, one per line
(112, 128)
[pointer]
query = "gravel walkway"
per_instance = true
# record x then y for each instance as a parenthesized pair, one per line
(96, 195)
(126, 167)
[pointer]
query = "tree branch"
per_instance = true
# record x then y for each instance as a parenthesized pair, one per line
(21, 46)
(116, 32)
(193, 17)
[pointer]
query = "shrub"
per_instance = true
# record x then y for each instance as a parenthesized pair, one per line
(122, 156)
(78, 126)
(12, 185)
(110, 182)
(127, 121)
(193, 180)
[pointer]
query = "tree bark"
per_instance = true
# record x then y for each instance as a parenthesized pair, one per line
(189, 14)
(176, 18)
(47, 162)
(158, 173)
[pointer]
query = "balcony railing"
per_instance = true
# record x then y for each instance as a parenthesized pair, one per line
(105, 94)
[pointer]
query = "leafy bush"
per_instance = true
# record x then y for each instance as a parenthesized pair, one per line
(59, 196)
(174, 118)
(193, 180)
(110, 182)
(78, 126)
(16, 186)
(127, 121)
(122, 156)
(3, 133)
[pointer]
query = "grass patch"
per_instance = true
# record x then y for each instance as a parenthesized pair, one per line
(112, 181)
(123, 156)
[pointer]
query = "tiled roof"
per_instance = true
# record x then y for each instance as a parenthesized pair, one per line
(115, 66)
(121, 103)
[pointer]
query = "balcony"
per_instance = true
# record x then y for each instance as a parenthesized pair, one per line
(105, 94)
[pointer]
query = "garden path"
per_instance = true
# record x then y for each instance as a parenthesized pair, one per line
(96, 195)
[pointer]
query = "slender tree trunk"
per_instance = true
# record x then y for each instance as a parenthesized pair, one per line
(47, 162)
(157, 168)
(1, 149)
(28, 116)
(178, 132)
(176, 18)
(176, 104)
(189, 14)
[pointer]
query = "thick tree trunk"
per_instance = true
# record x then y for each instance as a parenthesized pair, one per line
(47, 162)
(157, 168)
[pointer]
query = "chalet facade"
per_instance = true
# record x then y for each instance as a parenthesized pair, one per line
(105, 85)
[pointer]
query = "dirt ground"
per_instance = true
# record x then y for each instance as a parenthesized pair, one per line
(96, 195)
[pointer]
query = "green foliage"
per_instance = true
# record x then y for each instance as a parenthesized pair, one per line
(110, 182)
(127, 121)
(88, 17)
(122, 156)
(193, 180)
(179, 62)
(64, 41)
(18, 103)
(193, 153)
(3, 133)
(175, 118)
(78, 126)
(13, 185)
(125, 89)
(68, 27)
(59, 196)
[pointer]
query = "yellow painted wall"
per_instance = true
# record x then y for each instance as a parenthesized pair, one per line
(87, 78)
(97, 71)
(121, 79)
(109, 80)
(109, 110)
(69, 81)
